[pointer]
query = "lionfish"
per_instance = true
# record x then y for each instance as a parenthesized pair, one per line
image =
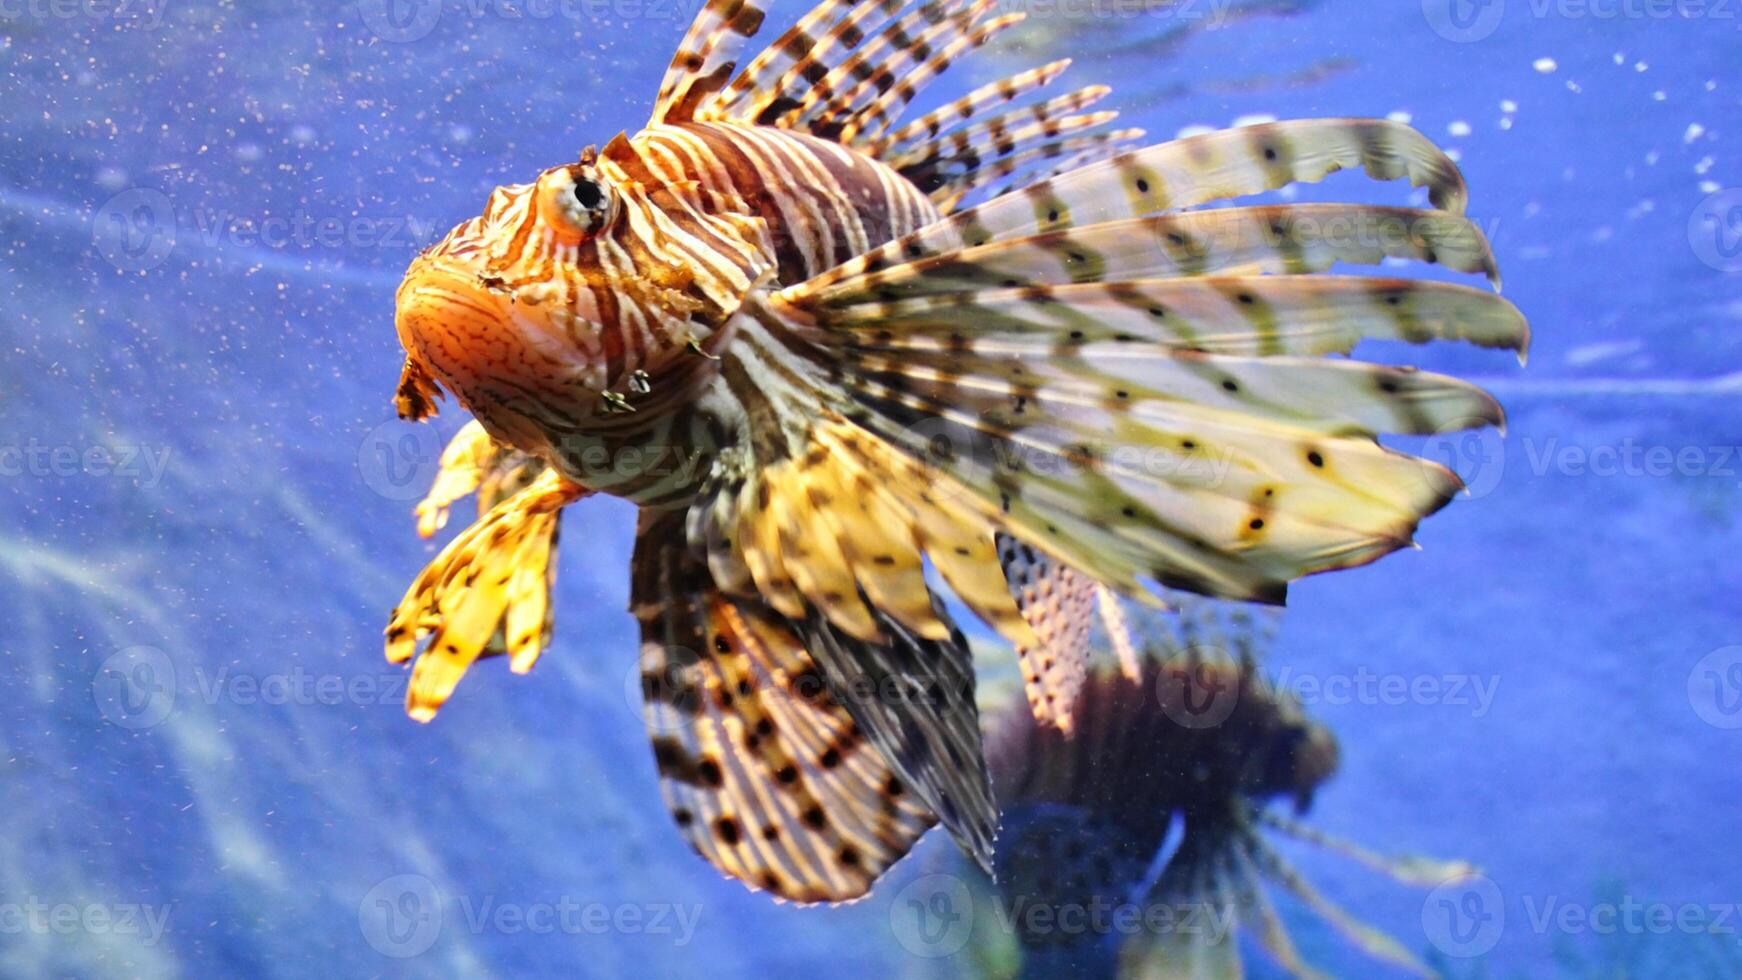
(770, 321)
(1184, 759)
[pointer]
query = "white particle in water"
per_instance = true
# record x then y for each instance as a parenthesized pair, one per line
(1399, 116)
(1546, 66)
(1459, 128)
(1704, 166)
(1709, 187)
(1507, 105)
(1694, 132)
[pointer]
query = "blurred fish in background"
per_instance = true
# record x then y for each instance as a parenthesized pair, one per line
(1139, 845)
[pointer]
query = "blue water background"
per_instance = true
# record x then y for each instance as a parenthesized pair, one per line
(278, 533)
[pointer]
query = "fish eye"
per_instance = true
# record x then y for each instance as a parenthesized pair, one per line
(588, 194)
(575, 201)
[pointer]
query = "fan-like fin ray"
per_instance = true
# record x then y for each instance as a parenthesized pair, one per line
(1180, 174)
(764, 770)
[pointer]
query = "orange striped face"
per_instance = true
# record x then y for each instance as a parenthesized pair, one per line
(575, 295)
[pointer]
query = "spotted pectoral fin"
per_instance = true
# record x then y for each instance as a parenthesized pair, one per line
(1059, 603)
(766, 772)
(488, 591)
(914, 699)
(474, 463)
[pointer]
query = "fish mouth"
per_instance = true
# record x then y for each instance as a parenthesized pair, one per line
(443, 313)
(460, 330)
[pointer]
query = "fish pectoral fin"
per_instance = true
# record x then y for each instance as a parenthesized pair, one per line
(765, 770)
(472, 463)
(487, 592)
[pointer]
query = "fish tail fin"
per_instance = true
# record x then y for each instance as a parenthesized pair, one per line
(489, 590)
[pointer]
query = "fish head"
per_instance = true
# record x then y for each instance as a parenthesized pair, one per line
(1312, 757)
(593, 290)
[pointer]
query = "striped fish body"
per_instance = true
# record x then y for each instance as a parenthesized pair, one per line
(769, 321)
